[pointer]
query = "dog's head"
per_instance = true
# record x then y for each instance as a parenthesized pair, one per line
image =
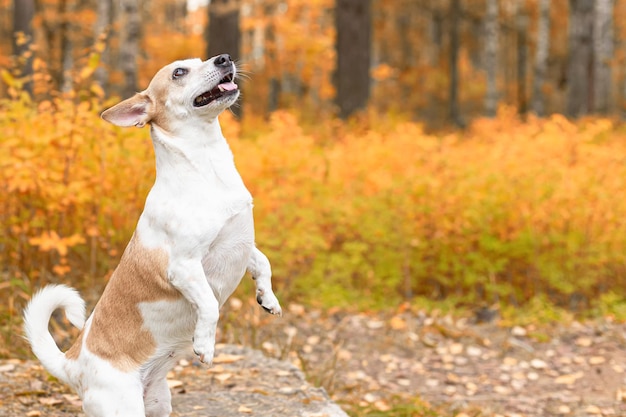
(180, 93)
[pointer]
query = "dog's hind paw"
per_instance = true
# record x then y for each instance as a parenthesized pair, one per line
(269, 302)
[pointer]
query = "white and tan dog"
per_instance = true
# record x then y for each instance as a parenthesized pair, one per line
(193, 243)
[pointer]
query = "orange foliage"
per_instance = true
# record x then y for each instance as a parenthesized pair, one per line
(365, 212)
(294, 44)
(61, 167)
(288, 49)
(510, 208)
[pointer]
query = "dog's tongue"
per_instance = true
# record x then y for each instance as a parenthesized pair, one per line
(229, 86)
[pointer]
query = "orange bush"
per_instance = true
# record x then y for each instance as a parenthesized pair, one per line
(506, 211)
(63, 172)
(365, 213)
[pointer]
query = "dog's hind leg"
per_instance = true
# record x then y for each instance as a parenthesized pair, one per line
(261, 271)
(117, 397)
(158, 399)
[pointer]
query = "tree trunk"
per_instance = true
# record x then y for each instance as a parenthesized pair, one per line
(491, 57)
(130, 33)
(23, 13)
(455, 15)
(522, 61)
(602, 55)
(102, 34)
(224, 34)
(538, 105)
(271, 46)
(67, 46)
(579, 75)
(353, 21)
(436, 36)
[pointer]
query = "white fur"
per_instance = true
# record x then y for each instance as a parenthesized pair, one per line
(199, 215)
(36, 317)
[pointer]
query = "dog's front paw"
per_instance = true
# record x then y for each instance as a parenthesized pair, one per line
(204, 348)
(269, 302)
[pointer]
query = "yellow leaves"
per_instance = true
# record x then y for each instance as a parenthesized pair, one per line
(21, 38)
(374, 200)
(383, 72)
(97, 90)
(39, 64)
(86, 72)
(67, 198)
(51, 241)
(9, 79)
(91, 66)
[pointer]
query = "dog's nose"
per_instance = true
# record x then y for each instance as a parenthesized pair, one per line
(223, 60)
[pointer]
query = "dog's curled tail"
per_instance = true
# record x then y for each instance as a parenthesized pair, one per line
(37, 316)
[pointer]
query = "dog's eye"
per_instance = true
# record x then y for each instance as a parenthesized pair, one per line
(179, 72)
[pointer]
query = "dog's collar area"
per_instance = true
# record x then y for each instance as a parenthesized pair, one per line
(225, 87)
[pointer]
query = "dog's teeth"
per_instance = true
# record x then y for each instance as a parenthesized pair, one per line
(221, 87)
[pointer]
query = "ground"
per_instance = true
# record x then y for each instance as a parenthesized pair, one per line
(377, 364)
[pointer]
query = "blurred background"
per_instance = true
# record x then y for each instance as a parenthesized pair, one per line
(437, 61)
(466, 153)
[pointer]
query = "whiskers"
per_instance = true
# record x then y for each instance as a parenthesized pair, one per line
(243, 75)
(243, 71)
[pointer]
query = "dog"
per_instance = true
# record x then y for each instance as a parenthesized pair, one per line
(193, 243)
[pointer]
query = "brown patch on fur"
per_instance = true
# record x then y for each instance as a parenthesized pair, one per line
(74, 351)
(158, 91)
(117, 334)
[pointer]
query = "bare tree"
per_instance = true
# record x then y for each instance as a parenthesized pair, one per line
(580, 49)
(436, 34)
(224, 34)
(538, 105)
(353, 20)
(521, 23)
(67, 45)
(602, 55)
(23, 13)
(270, 50)
(453, 103)
(101, 33)
(491, 57)
(130, 33)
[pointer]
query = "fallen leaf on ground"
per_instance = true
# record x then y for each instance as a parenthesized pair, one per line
(7, 368)
(568, 378)
(50, 401)
(223, 377)
(596, 360)
(227, 358)
(397, 323)
(173, 383)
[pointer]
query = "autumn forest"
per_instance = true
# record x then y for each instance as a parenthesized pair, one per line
(467, 152)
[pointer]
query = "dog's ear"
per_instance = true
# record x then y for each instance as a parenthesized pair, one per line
(134, 111)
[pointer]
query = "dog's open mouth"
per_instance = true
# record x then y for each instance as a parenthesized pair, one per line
(225, 87)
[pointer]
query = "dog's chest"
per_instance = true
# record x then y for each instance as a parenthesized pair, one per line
(206, 216)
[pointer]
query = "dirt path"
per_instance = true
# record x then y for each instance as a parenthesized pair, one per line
(242, 383)
(373, 363)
